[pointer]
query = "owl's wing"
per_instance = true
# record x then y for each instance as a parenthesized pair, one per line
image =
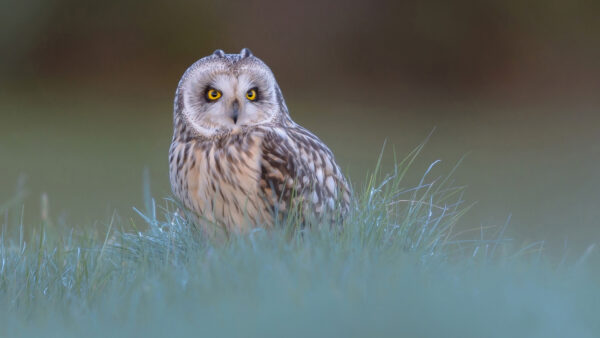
(297, 166)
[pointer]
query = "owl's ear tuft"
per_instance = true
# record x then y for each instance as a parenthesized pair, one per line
(219, 53)
(245, 53)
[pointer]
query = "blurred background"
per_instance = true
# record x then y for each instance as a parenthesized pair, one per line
(86, 92)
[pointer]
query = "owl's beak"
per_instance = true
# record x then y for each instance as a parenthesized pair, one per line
(235, 107)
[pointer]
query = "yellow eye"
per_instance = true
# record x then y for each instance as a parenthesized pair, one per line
(213, 94)
(251, 94)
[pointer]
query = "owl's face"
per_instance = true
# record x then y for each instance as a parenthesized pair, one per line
(222, 93)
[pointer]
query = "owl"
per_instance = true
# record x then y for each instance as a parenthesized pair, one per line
(237, 160)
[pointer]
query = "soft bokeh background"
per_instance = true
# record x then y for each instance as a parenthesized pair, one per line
(87, 88)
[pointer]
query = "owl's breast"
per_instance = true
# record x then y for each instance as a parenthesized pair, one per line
(218, 179)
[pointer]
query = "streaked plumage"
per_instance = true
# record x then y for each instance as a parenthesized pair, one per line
(239, 160)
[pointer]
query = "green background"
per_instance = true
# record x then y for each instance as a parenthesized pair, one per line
(86, 95)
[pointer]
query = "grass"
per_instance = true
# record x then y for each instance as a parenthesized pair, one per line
(397, 268)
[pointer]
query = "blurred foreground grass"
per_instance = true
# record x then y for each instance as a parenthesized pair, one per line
(397, 268)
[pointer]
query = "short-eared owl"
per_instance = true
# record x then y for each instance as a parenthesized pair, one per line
(237, 159)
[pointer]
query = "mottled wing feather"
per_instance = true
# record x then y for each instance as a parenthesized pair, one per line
(297, 166)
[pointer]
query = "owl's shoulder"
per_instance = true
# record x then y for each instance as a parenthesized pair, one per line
(298, 149)
(293, 139)
(294, 159)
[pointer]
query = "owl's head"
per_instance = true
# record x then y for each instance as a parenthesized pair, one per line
(223, 93)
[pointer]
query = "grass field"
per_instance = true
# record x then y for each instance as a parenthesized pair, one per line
(395, 269)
